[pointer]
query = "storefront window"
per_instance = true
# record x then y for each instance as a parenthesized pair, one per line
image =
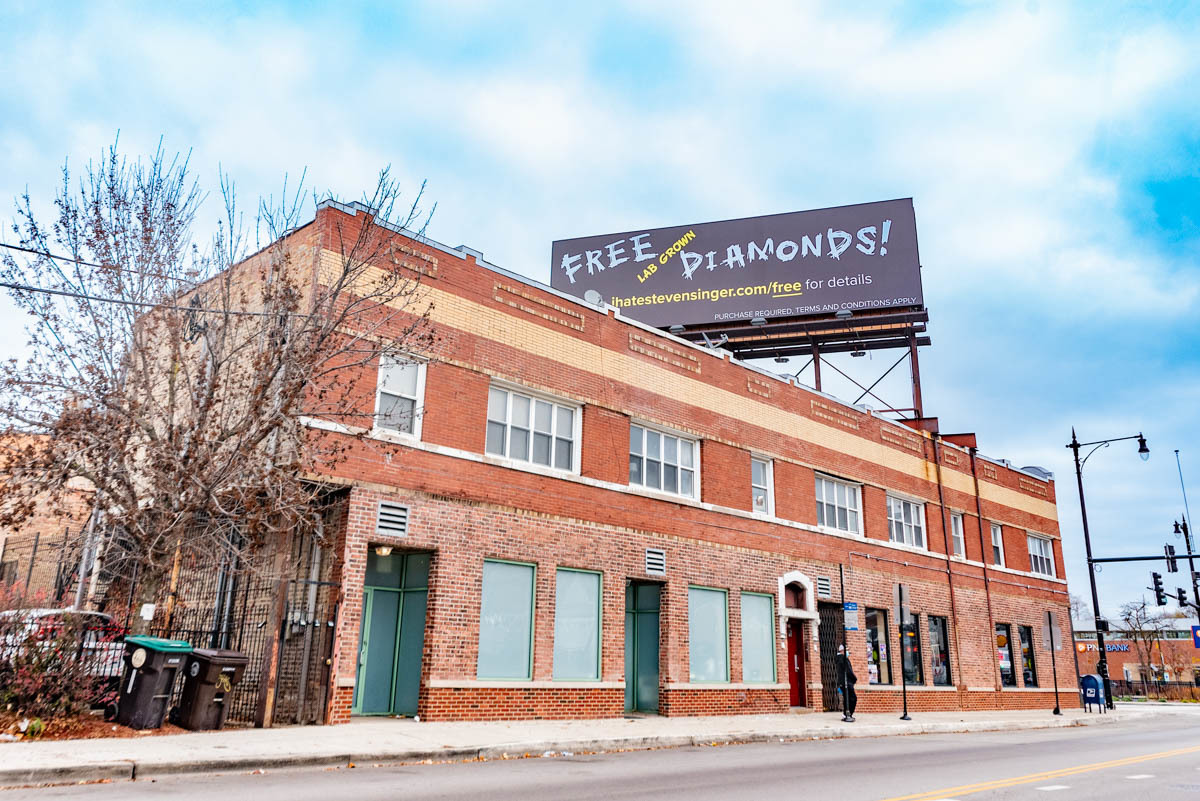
(1004, 653)
(910, 649)
(1028, 669)
(939, 651)
(708, 634)
(879, 667)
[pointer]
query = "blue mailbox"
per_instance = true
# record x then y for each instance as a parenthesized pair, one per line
(1092, 687)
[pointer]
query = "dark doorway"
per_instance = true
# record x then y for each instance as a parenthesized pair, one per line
(832, 620)
(795, 660)
(641, 647)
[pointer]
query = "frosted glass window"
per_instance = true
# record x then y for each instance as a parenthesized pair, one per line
(506, 621)
(758, 638)
(577, 625)
(708, 634)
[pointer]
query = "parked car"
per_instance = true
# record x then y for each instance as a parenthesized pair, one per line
(101, 645)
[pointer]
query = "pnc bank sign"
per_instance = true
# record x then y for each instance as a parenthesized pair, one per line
(1110, 647)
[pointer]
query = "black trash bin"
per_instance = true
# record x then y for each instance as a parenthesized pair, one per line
(211, 675)
(151, 664)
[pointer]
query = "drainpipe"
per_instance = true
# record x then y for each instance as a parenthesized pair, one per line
(937, 463)
(987, 587)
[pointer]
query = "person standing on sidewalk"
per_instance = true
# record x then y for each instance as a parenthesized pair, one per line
(846, 681)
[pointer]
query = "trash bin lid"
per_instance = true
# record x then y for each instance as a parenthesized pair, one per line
(221, 656)
(159, 644)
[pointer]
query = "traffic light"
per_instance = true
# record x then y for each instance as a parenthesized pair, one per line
(1172, 566)
(1160, 597)
(1181, 596)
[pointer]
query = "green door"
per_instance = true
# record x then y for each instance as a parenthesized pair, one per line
(641, 647)
(393, 634)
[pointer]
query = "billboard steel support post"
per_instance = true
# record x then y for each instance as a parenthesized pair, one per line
(918, 405)
(816, 350)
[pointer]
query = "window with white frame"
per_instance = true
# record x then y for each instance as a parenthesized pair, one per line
(400, 386)
(1041, 555)
(956, 534)
(761, 491)
(906, 521)
(997, 544)
(837, 505)
(530, 429)
(662, 461)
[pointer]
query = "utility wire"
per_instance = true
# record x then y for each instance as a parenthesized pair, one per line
(49, 255)
(143, 304)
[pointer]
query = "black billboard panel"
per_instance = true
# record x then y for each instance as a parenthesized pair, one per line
(861, 257)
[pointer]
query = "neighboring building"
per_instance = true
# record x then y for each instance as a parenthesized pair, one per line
(1170, 656)
(40, 558)
(564, 513)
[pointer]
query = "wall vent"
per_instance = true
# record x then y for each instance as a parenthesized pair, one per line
(392, 520)
(656, 562)
(824, 589)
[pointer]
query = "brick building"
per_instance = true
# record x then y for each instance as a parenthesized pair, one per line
(1170, 655)
(566, 513)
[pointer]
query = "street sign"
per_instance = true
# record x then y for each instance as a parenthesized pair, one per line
(1051, 633)
(850, 612)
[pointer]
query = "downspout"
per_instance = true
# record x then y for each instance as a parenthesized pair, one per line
(937, 462)
(987, 588)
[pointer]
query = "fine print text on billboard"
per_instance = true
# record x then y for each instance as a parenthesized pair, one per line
(817, 262)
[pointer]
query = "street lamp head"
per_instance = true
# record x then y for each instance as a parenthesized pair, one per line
(1143, 449)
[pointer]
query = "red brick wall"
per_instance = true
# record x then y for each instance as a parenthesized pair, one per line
(466, 510)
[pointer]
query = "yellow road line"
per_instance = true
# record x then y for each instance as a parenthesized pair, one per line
(966, 789)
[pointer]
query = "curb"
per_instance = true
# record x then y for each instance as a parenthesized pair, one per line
(132, 769)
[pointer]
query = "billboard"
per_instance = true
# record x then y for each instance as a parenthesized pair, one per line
(818, 262)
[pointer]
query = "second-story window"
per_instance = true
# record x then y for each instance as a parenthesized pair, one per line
(957, 540)
(906, 521)
(1041, 555)
(662, 461)
(530, 429)
(997, 545)
(400, 385)
(837, 505)
(760, 485)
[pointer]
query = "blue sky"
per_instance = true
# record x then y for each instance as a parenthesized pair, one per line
(1051, 151)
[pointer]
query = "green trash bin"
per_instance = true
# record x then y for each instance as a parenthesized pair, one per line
(151, 665)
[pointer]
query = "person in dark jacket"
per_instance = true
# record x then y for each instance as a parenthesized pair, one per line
(846, 681)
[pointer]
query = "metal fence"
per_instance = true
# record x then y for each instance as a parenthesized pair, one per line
(1166, 690)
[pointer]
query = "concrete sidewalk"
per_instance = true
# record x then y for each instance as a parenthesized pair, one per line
(368, 741)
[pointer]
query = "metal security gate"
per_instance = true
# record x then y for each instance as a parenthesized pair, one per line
(832, 620)
(305, 651)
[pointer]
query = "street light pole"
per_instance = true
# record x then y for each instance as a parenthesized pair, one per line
(1075, 445)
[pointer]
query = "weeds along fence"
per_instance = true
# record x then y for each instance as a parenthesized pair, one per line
(56, 662)
(1166, 690)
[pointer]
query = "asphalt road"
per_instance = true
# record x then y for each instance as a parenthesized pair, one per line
(1156, 758)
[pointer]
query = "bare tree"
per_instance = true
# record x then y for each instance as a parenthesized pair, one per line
(1144, 627)
(176, 380)
(1081, 613)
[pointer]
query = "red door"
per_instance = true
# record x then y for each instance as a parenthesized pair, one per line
(795, 661)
